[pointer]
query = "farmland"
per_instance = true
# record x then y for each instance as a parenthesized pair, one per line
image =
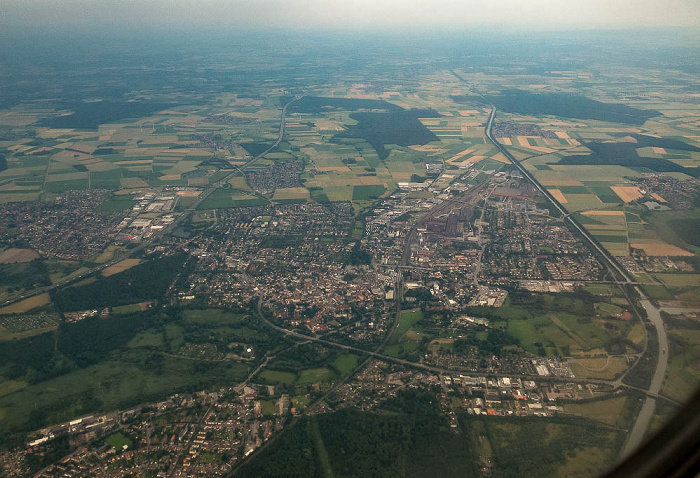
(383, 269)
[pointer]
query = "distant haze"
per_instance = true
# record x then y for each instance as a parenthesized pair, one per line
(351, 14)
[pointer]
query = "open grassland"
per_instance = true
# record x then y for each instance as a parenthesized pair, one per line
(559, 332)
(212, 316)
(13, 255)
(606, 411)
(679, 280)
(549, 447)
(6, 335)
(315, 375)
(660, 249)
(148, 339)
(607, 368)
(683, 375)
(120, 266)
(27, 304)
(636, 334)
(407, 319)
(345, 363)
(108, 254)
(277, 376)
(10, 386)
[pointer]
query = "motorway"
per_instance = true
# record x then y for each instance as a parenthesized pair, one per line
(648, 410)
(641, 425)
(567, 217)
(178, 220)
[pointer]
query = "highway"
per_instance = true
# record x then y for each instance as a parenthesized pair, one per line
(636, 436)
(177, 221)
(566, 216)
(638, 431)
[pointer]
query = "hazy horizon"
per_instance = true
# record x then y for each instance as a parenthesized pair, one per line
(357, 14)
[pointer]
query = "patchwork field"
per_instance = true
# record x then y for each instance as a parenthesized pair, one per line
(12, 255)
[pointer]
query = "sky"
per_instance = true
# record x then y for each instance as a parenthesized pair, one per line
(351, 14)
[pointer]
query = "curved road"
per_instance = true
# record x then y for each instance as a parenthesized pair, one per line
(648, 410)
(434, 369)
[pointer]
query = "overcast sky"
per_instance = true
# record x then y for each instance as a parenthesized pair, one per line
(536, 14)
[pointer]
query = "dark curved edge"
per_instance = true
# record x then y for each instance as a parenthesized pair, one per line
(674, 452)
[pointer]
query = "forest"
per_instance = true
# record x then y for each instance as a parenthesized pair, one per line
(408, 437)
(566, 105)
(145, 281)
(625, 154)
(90, 115)
(320, 104)
(402, 128)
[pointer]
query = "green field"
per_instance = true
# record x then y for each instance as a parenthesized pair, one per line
(683, 376)
(212, 316)
(277, 376)
(127, 309)
(556, 331)
(658, 292)
(116, 204)
(400, 350)
(606, 411)
(315, 375)
(407, 319)
(147, 338)
(345, 363)
(269, 407)
(118, 441)
(367, 192)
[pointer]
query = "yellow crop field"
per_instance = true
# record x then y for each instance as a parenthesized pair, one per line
(13, 255)
(120, 267)
(291, 193)
(627, 193)
(107, 254)
(133, 183)
(558, 195)
(191, 194)
(333, 168)
(460, 155)
(27, 304)
(660, 249)
(603, 213)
